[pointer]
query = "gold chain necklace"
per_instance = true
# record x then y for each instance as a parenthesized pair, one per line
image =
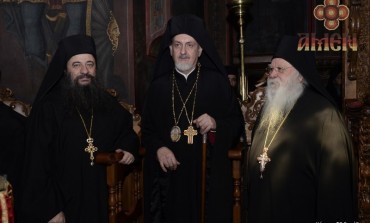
(190, 132)
(263, 158)
(90, 146)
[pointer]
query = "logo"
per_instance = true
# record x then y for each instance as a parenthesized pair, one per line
(331, 12)
(329, 42)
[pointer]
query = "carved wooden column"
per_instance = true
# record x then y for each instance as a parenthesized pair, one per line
(353, 110)
(356, 87)
(364, 166)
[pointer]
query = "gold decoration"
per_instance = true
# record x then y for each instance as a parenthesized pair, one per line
(239, 8)
(90, 141)
(190, 132)
(88, 17)
(263, 158)
(113, 32)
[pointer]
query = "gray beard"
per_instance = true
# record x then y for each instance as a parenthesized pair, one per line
(280, 99)
(182, 67)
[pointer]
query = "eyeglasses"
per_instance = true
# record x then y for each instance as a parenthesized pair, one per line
(280, 70)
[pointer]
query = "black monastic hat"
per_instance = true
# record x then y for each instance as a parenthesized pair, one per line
(194, 27)
(77, 44)
(303, 61)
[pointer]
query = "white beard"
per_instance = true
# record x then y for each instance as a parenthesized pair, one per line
(183, 66)
(280, 99)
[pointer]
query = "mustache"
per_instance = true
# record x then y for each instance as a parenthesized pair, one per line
(84, 76)
(273, 82)
(183, 57)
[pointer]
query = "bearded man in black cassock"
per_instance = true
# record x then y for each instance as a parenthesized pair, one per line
(190, 91)
(300, 165)
(72, 118)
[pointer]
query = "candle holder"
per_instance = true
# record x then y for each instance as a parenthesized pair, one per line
(238, 8)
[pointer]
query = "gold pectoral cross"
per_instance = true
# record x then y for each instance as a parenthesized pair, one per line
(190, 133)
(91, 149)
(263, 159)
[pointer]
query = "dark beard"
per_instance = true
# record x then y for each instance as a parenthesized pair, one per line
(85, 97)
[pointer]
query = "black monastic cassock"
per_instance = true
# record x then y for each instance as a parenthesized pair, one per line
(311, 176)
(175, 196)
(58, 174)
(12, 129)
(12, 133)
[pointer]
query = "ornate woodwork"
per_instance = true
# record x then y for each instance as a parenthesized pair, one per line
(364, 166)
(8, 98)
(356, 87)
(359, 60)
(251, 109)
(358, 120)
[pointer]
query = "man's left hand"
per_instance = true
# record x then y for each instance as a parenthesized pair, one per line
(127, 158)
(205, 123)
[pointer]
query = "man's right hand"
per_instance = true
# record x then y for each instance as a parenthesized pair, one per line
(167, 159)
(59, 218)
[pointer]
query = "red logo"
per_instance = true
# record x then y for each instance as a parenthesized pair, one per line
(331, 12)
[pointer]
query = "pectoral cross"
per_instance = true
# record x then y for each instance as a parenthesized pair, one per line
(91, 149)
(263, 159)
(190, 133)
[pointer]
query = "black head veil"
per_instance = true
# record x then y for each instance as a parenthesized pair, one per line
(194, 27)
(67, 48)
(303, 61)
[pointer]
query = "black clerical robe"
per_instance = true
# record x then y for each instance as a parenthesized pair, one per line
(58, 174)
(310, 176)
(11, 141)
(12, 133)
(175, 196)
